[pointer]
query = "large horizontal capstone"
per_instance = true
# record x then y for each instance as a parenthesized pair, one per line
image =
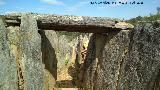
(73, 23)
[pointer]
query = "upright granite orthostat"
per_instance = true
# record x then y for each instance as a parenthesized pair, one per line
(8, 72)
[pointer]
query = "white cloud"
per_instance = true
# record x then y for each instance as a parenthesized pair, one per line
(53, 2)
(2, 2)
(9, 12)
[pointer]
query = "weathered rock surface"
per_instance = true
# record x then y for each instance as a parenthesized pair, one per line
(30, 45)
(105, 54)
(13, 35)
(127, 60)
(49, 58)
(73, 23)
(80, 23)
(8, 69)
(59, 54)
(118, 58)
(25, 45)
(141, 66)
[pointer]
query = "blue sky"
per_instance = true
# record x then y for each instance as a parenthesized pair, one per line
(80, 7)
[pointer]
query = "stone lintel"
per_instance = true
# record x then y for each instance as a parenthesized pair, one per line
(68, 23)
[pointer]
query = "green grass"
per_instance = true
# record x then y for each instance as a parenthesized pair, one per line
(152, 17)
(1, 16)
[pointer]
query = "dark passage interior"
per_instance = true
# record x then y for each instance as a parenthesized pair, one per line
(63, 55)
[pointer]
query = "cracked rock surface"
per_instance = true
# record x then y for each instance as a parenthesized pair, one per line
(127, 60)
(8, 72)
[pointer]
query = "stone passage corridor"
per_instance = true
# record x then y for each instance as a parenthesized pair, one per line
(54, 52)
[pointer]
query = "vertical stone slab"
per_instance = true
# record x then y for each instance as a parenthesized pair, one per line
(141, 67)
(89, 64)
(128, 60)
(49, 44)
(31, 54)
(8, 69)
(103, 63)
(110, 60)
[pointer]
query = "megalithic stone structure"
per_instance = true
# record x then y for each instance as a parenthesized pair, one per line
(119, 57)
(73, 23)
(8, 69)
(30, 45)
(126, 60)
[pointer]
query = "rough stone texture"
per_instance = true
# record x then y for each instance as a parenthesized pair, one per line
(126, 60)
(55, 49)
(141, 66)
(13, 35)
(30, 45)
(59, 55)
(105, 54)
(80, 23)
(116, 60)
(8, 69)
(49, 58)
(73, 23)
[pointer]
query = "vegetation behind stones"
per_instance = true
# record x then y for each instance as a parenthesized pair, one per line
(151, 17)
